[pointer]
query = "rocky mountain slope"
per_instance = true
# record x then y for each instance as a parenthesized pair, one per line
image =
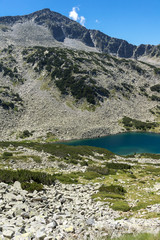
(57, 79)
(73, 94)
(48, 28)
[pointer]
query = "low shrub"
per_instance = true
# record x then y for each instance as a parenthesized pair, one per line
(71, 178)
(157, 71)
(10, 176)
(84, 163)
(136, 124)
(31, 187)
(72, 161)
(121, 206)
(155, 88)
(118, 166)
(132, 176)
(155, 98)
(25, 134)
(7, 155)
(117, 189)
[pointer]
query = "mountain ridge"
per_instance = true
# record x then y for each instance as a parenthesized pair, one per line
(60, 28)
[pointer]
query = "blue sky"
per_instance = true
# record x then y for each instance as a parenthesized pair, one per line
(137, 21)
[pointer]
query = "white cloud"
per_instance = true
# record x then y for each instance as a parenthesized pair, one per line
(97, 21)
(73, 14)
(82, 20)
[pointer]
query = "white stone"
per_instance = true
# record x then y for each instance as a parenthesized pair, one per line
(40, 235)
(17, 185)
(8, 233)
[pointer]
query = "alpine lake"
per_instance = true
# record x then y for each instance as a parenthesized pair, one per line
(124, 143)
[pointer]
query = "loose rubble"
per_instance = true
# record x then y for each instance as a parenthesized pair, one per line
(62, 212)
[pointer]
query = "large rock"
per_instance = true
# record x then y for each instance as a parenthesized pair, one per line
(40, 235)
(8, 233)
(90, 221)
(17, 185)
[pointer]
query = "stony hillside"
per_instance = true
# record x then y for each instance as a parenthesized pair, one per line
(54, 191)
(73, 94)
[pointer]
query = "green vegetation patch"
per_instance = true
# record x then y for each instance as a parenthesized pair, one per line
(7, 155)
(141, 236)
(99, 170)
(117, 189)
(62, 150)
(105, 197)
(10, 176)
(131, 124)
(66, 74)
(155, 88)
(157, 71)
(150, 155)
(118, 166)
(25, 134)
(89, 175)
(121, 206)
(127, 87)
(153, 170)
(31, 187)
(9, 99)
(79, 88)
(114, 192)
(155, 98)
(70, 178)
(12, 74)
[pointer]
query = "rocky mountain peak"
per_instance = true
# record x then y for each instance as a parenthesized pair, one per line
(46, 27)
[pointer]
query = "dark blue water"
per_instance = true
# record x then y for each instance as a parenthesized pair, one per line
(124, 143)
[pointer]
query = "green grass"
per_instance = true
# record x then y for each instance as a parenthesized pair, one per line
(91, 175)
(141, 236)
(104, 197)
(70, 178)
(112, 194)
(121, 206)
(99, 170)
(153, 170)
(150, 155)
(10, 155)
